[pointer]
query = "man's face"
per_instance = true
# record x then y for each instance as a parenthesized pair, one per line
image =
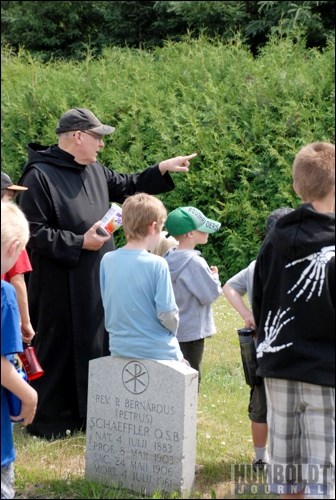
(90, 145)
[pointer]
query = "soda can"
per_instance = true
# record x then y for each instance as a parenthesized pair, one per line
(111, 221)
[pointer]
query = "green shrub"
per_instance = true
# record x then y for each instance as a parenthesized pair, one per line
(246, 117)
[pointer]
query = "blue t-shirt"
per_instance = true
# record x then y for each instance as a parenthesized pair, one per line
(136, 287)
(11, 342)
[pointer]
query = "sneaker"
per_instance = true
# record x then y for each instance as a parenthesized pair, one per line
(198, 468)
(259, 465)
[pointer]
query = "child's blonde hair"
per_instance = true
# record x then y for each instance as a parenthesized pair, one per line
(314, 171)
(164, 244)
(138, 212)
(14, 226)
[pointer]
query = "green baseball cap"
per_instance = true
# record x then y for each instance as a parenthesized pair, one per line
(185, 219)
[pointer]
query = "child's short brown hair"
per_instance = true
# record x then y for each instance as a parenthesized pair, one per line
(314, 171)
(140, 211)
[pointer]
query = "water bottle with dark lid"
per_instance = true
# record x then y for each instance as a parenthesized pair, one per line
(249, 356)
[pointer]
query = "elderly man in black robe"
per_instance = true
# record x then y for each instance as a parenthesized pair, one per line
(69, 192)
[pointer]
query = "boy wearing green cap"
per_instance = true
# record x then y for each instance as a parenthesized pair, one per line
(196, 285)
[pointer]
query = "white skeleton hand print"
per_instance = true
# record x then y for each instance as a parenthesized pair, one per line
(314, 272)
(272, 331)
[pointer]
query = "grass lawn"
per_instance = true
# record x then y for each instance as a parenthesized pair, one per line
(55, 469)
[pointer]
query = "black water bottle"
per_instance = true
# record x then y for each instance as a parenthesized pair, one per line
(249, 355)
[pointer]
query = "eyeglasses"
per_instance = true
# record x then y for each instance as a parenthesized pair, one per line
(95, 136)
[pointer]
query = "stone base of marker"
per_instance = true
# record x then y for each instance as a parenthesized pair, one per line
(141, 424)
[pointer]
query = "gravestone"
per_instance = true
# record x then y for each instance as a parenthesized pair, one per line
(141, 424)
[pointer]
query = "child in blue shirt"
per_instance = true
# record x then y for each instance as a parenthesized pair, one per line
(141, 315)
(14, 237)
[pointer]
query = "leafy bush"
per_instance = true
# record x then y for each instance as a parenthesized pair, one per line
(246, 117)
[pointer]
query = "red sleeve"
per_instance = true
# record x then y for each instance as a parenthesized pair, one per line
(21, 266)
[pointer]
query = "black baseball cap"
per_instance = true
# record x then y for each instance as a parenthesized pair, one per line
(82, 119)
(6, 183)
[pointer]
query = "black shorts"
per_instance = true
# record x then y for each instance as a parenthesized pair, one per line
(257, 409)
